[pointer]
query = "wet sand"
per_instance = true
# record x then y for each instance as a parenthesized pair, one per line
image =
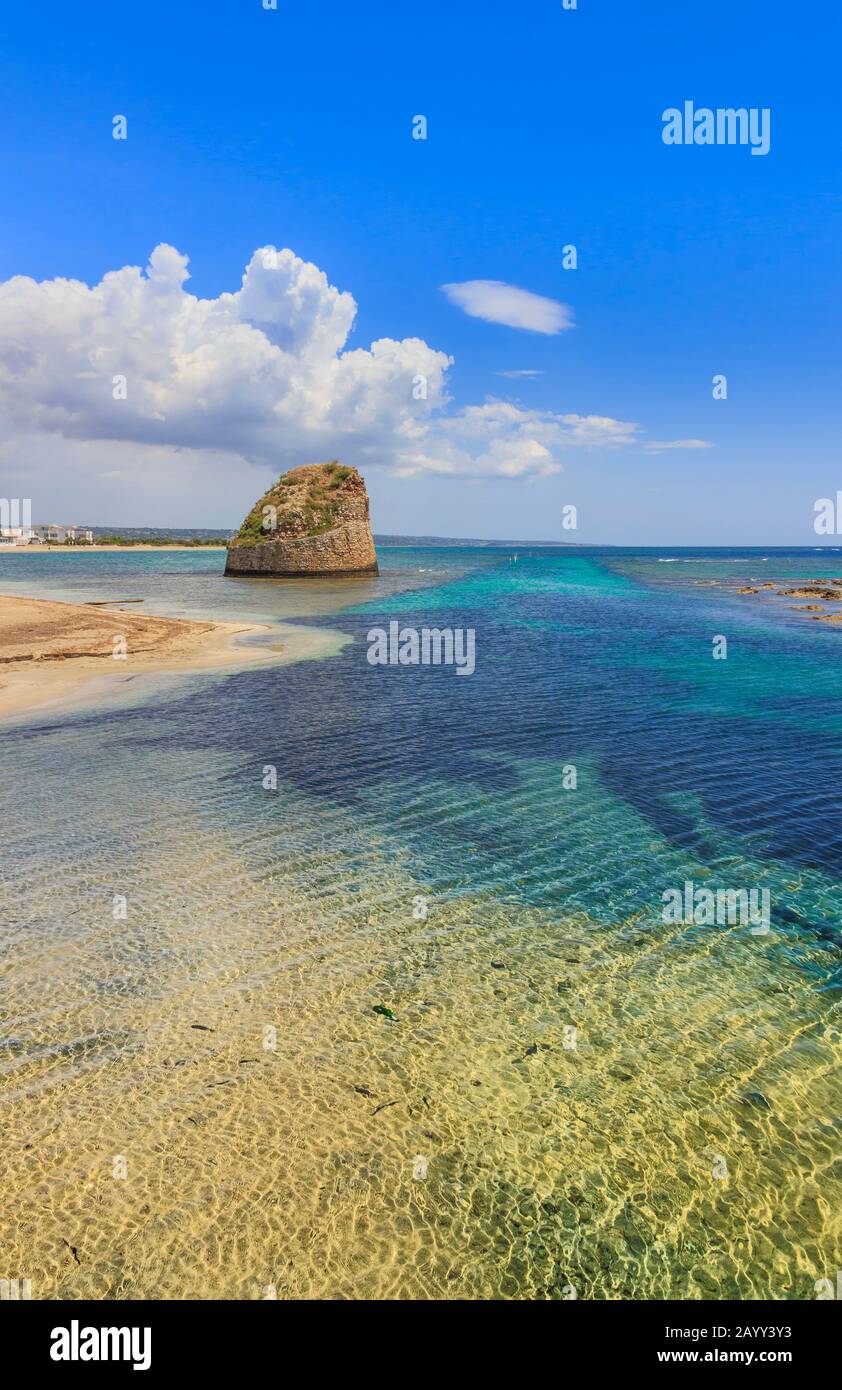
(49, 651)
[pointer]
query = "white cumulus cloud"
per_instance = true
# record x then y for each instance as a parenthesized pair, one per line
(262, 375)
(260, 372)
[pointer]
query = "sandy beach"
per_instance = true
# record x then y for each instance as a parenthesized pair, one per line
(49, 650)
(93, 549)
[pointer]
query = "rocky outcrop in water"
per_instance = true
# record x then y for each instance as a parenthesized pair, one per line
(313, 522)
(828, 590)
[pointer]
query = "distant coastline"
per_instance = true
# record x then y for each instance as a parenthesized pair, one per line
(128, 538)
(441, 542)
(109, 546)
(120, 538)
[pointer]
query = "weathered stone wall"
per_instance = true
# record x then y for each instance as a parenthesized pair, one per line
(349, 549)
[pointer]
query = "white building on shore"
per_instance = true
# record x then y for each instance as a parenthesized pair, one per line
(67, 535)
(51, 535)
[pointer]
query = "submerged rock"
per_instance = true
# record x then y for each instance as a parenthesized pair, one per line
(755, 1099)
(314, 521)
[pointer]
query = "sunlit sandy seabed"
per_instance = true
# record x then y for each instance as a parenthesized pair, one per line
(220, 1046)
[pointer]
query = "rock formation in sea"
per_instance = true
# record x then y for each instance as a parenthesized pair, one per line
(313, 521)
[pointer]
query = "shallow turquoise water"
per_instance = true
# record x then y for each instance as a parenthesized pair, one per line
(395, 783)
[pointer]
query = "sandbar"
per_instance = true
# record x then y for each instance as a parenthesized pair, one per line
(49, 649)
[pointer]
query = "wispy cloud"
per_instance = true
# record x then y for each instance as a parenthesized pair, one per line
(522, 372)
(660, 446)
(497, 302)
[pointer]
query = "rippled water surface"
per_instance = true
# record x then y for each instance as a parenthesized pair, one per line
(200, 1100)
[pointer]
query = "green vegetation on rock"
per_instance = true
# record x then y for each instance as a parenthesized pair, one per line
(307, 501)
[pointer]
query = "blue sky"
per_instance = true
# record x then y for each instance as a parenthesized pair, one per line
(292, 128)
